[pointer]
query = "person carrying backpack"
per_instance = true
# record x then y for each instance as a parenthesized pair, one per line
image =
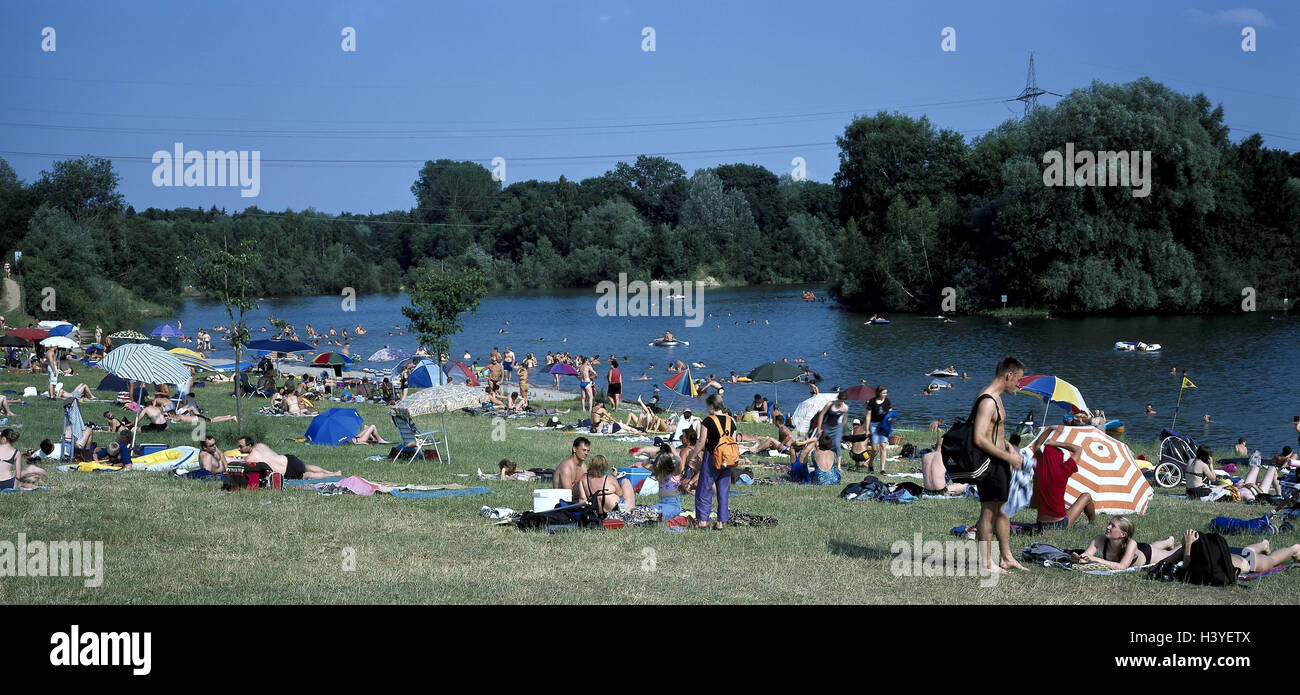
(717, 451)
(994, 482)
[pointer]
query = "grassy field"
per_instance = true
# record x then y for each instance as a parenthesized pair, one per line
(169, 540)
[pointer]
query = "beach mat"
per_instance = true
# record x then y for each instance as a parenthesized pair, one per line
(38, 489)
(1098, 572)
(1257, 575)
(300, 483)
(423, 494)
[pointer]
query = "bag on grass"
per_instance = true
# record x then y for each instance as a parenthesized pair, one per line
(574, 516)
(1043, 552)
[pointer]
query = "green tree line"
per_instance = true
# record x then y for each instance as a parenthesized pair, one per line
(913, 210)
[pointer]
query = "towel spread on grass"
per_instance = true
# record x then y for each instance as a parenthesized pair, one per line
(1257, 575)
(421, 494)
(300, 483)
(35, 489)
(1099, 570)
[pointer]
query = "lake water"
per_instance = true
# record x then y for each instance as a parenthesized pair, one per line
(1245, 367)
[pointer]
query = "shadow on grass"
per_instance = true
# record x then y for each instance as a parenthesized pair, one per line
(857, 552)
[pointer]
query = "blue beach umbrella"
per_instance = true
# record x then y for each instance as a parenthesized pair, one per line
(334, 426)
(63, 329)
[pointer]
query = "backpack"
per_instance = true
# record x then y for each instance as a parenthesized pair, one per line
(1042, 552)
(727, 452)
(574, 516)
(1209, 564)
(964, 461)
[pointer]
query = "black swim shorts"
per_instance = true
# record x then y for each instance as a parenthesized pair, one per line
(295, 468)
(995, 484)
(615, 389)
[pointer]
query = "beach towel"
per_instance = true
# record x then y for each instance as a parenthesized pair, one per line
(424, 494)
(1257, 575)
(40, 488)
(1094, 568)
(301, 483)
(1022, 484)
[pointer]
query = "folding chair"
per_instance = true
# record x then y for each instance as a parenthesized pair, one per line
(415, 441)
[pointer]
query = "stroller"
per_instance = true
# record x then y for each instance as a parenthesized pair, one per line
(1177, 452)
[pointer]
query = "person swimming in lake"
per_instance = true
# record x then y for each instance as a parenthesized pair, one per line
(1150, 410)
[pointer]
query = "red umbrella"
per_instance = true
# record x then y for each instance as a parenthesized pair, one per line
(862, 392)
(32, 334)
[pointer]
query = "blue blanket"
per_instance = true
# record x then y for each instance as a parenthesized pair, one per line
(419, 494)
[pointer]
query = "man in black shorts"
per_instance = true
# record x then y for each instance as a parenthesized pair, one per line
(290, 466)
(995, 485)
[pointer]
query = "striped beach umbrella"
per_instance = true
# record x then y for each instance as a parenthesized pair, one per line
(441, 399)
(1107, 470)
(145, 363)
(166, 330)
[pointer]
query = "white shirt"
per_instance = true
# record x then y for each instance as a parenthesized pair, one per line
(684, 424)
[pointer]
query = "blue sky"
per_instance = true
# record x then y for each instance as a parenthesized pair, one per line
(564, 88)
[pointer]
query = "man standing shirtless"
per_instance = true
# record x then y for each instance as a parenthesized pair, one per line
(573, 468)
(291, 467)
(995, 485)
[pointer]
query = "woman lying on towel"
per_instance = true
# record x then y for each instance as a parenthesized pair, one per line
(647, 420)
(1119, 550)
(1256, 557)
(509, 470)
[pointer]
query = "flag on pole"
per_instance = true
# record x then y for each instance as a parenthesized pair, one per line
(1187, 383)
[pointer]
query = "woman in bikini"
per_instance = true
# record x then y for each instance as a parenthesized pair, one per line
(647, 420)
(11, 460)
(601, 487)
(1119, 550)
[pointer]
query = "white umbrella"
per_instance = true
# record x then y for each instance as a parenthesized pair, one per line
(803, 415)
(51, 324)
(60, 341)
(147, 363)
(440, 399)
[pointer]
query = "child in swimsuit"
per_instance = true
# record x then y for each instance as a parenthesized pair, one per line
(667, 470)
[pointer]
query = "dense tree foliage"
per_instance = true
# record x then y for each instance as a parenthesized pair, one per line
(923, 211)
(913, 210)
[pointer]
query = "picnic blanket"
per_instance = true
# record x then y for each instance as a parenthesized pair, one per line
(39, 488)
(1257, 575)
